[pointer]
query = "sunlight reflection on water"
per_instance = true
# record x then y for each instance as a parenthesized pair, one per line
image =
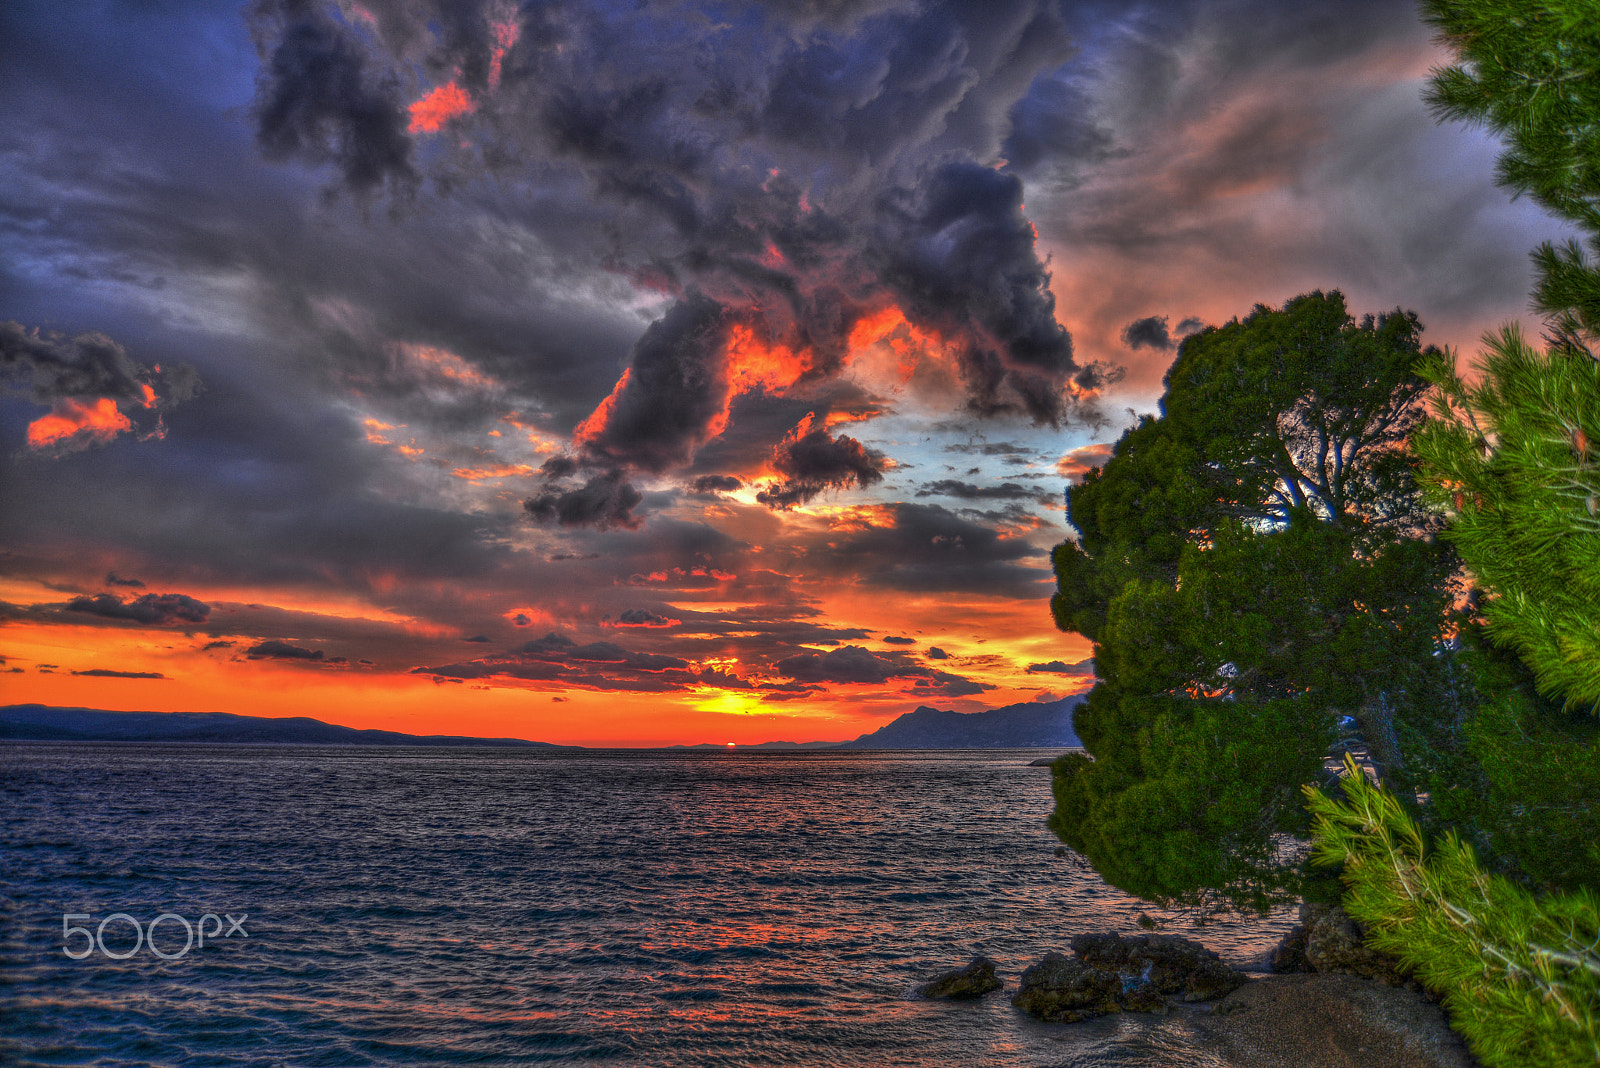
(623, 907)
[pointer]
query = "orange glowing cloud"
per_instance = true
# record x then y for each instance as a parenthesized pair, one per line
(446, 366)
(888, 326)
(591, 428)
(75, 421)
(1080, 461)
(478, 474)
(431, 112)
(753, 364)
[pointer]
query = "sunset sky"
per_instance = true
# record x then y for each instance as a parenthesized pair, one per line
(638, 373)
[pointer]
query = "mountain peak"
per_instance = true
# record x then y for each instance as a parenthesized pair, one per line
(1031, 724)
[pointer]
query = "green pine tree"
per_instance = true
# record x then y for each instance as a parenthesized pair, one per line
(1253, 566)
(1511, 459)
(1514, 460)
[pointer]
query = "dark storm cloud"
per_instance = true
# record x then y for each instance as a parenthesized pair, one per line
(711, 485)
(1147, 333)
(959, 251)
(1006, 491)
(641, 617)
(151, 608)
(321, 101)
(605, 502)
(56, 366)
(69, 372)
(811, 461)
(928, 548)
(1055, 122)
(674, 394)
(555, 658)
(273, 649)
(558, 467)
(897, 639)
(771, 176)
(108, 673)
(853, 665)
(936, 653)
(1058, 667)
(943, 684)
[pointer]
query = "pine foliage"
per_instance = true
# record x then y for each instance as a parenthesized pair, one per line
(1515, 461)
(1530, 72)
(1520, 975)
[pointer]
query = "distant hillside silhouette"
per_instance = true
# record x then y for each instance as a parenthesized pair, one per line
(1037, 724)
(44, 723)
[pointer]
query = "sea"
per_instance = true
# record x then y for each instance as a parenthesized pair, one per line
(215, 905)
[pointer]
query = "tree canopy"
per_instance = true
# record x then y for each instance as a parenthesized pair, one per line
(1257, 571)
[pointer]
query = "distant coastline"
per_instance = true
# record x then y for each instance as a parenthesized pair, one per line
(43, 723)
(1020, 726)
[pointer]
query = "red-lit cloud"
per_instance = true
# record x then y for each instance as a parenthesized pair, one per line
(439, 106)
(76, 423)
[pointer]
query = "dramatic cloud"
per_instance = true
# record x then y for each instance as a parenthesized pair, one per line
(956, 239)
(605, 502)
(151, 608)
(812, 461)
(739, 334)
(724, 166)
(322, 101)
(673, 397)
(91, 384)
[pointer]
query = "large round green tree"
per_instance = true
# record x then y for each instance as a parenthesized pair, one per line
(1259, 575)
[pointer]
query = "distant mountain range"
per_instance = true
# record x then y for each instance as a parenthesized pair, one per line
(1039, 724)
(46, 724)
(1030, 725)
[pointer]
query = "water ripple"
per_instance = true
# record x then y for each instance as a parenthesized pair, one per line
(490, 906)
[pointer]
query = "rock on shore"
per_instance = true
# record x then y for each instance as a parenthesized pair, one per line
(1328, 940)
(1331, 1021)
(1110, 973)
(972, 981)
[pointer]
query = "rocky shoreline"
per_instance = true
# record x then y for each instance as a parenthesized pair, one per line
(1329, 1003)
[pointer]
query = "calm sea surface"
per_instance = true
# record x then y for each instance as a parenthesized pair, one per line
(476, 906)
